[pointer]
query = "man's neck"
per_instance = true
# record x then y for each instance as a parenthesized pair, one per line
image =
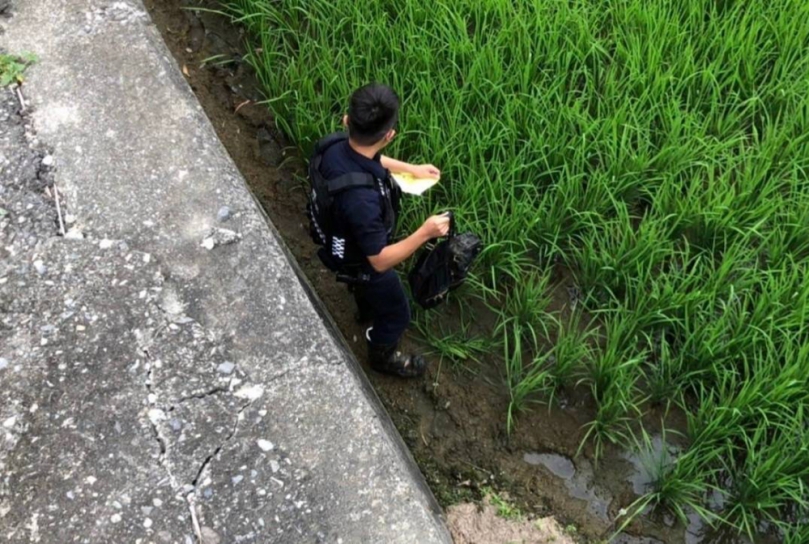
(368, 151)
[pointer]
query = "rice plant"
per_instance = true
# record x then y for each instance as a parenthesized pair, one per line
(797, 534)
(525, 303)
(527, 372)
(679, 482)
(573, 350)
(765, 486)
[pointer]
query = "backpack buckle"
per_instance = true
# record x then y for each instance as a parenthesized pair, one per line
(353, 275)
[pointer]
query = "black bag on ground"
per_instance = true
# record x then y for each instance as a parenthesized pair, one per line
(443, 267)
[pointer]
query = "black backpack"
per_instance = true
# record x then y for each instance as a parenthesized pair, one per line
(443, 267)
(319, 207)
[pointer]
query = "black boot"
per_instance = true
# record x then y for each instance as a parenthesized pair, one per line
(385, 358)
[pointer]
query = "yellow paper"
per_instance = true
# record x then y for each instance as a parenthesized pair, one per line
(413, 185)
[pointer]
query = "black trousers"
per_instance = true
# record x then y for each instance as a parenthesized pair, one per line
(384, 301)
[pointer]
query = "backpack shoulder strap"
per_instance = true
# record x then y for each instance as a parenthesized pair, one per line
(349, 181)
(327, 141)
(320, 147)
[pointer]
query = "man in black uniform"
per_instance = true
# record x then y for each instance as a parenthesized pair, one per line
(364, 220)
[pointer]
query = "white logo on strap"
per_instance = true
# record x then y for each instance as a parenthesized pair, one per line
(338, 247)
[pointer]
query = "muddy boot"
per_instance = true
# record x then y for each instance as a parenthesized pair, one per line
(388, 360)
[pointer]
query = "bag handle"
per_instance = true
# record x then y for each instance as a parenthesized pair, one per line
(451, 215)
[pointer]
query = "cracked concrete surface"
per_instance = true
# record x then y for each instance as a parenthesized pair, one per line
(154, 387)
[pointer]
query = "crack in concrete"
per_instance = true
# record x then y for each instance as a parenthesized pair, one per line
(278, 375)
(201, 395)
(224, 442)
(163, 444)
(191, 495)
(159, 438)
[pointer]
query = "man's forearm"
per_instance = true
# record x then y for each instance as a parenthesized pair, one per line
(397, 253)
(395, 165)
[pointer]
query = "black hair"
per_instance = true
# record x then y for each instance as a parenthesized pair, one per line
(372, 111)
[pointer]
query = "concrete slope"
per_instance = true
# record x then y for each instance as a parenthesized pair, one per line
(164, 374)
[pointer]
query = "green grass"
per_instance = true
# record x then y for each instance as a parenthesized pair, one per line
(460, 347)
(12, 67)
(656, 151)
(505, 509)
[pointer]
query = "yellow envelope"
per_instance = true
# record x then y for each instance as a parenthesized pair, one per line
(413, 185)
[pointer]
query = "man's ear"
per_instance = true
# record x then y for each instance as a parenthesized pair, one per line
(345, 121)
(390, 135)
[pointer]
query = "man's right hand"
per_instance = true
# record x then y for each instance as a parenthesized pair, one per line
(436, 227)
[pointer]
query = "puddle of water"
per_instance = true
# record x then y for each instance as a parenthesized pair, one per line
(697, 532)
(581, 486)
(578, 478)
(649, 463)
(695, 529)
(559, 465)
(716, 500)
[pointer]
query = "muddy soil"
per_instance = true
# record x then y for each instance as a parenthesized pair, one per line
(454, 422)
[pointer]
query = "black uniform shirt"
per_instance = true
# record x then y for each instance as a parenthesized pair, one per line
(359, 212)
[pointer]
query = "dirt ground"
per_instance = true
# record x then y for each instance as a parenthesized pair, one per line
(454, 422)
(481, 524)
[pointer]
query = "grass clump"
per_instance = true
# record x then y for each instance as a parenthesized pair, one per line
(505, 509)
(655, 151)
(12, 67)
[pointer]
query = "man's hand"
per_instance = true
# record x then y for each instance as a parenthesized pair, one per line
(425, 171)
(416, 170)
(436, 226)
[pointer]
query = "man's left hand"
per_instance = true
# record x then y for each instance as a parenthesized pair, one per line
(425, 171)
